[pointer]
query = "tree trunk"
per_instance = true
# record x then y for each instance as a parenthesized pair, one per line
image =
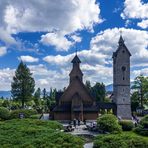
(23, 103)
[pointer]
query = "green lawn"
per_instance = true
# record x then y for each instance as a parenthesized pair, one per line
(29, 133)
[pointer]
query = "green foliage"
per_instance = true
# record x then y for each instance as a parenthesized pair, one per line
(108, 123)
(135, 101)
(23, 84)
(127, 125)
(6, 103)
(37, 116)
(142, 128)
(36, 134)
(141, 85)
(123, 140)
(97, 91)
(4, 113)
(27, 113)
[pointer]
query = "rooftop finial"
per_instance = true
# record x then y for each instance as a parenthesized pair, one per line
(76, 51)
(120, 32)
(121, 41)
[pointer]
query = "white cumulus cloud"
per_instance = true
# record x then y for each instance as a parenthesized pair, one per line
(136, 9)
(143, 24)
(28, 59)
(57, 17)
(3, 50)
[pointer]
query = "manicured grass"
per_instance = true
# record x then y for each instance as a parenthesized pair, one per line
(121, 140)
(31, 133)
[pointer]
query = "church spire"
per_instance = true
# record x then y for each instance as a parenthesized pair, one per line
(76, 59)
(121, 41)
(76, 71)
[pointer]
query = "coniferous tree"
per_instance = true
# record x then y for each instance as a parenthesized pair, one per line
(37, 97)
(98, 91)
(23, 84)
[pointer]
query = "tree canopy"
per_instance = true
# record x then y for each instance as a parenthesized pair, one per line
(23, 84)
(141, 90)
(97, 91)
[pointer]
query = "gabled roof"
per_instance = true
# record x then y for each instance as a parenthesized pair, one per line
(70, 87)
(76, 72)
(76, 59)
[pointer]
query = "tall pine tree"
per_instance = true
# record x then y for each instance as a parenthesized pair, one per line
(23, 84)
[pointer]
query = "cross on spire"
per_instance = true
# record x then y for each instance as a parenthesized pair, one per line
(76, 51)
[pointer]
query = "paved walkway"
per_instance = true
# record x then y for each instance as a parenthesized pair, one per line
(79, 130)
(88, 145)
(45, 117)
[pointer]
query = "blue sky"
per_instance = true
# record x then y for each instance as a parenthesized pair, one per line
(45, 35)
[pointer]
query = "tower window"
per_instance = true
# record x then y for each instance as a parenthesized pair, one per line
(123, 51)
(123, 78)
(123, 68)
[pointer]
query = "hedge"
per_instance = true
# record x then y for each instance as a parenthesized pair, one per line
(124, 140)
(30, 133)
(127, 125)
(27, 113)
(142, 128)
(4, 113)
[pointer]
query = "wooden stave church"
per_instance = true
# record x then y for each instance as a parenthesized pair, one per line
(76, 102)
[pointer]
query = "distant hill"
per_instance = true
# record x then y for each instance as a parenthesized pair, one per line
(109, 88)
(5, 94)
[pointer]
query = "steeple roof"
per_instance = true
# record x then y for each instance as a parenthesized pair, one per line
(120, 47)
(76, 59)
(121, 41)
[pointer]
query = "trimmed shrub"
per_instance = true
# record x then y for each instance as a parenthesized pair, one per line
(27, 113)
(4, 113)
(29, 133)
(37, 116)
(142, 128)
(108, 123)
(124, 140)
(127, 125)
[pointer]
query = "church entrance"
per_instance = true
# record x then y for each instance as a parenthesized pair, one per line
(77, 115)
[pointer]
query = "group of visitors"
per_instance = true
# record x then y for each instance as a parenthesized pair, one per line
(76, 122)
(72, 125)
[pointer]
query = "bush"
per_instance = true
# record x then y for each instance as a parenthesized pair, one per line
(142, 128)
(4, 113)
(27, 113)
(124, 140)
(37, 116)
(29, 133)
(127, 125)
(108, 123)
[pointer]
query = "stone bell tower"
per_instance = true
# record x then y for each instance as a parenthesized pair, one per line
(121, 80)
